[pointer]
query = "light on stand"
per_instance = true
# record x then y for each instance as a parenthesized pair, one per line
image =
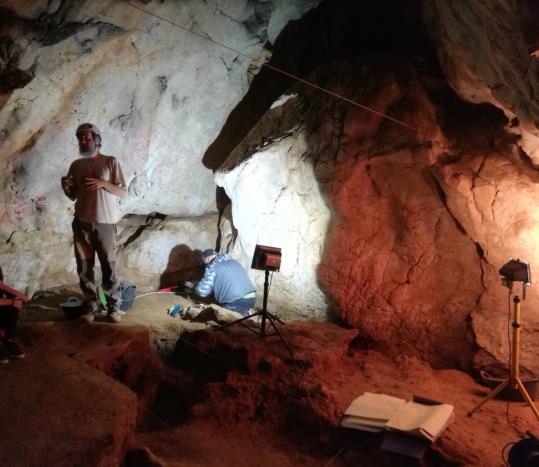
(516, 271)
(265, 258)
(513, 271)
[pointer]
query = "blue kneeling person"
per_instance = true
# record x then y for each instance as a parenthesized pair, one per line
(228, 281)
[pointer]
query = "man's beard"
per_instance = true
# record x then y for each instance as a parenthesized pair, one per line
(90, 152)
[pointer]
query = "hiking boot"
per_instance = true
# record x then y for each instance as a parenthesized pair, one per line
(114, 316)
(90, 310)
(13, 350)
(3, 355)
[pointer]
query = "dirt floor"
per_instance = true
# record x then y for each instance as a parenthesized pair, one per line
(161, 391)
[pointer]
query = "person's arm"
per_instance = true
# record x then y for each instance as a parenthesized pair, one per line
(115, 186)
(14, 302)
(205, 285)
(16, 299)
(92, 184)
(68, 185)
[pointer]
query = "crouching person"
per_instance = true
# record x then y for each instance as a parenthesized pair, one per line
(11, 302)
(228, 281)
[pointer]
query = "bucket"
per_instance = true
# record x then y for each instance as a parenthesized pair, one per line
(72, 308)
(128, 293)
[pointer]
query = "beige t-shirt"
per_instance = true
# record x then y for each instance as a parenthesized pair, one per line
(97, 205)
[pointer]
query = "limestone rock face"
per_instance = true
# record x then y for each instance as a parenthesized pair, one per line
(351, 200)
(158, 93)
(392, 240)
(493, 196)
(420, 219)
(389, 255)
(488, 51)
(276, 201)
(485, 59)
(171, 246)
(396, 225)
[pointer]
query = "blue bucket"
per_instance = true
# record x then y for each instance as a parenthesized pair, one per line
(128, 294)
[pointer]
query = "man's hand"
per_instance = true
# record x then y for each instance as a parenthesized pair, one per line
(92, 184)
(67, 184)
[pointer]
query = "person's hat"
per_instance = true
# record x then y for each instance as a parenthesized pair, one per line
(88, 126)
(208, 252)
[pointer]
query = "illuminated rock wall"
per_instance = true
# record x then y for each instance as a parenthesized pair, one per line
(493, 194)
(380, 237)
(276, 201)
(399, 230)
(159, 94)
(420, 219)
(488, 52)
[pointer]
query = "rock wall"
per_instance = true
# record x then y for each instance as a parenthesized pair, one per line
(385, 241)
(419, 220)
(399, 229)
(487, 50)
(485, 58)
(276, 201)
(159, 251)
(159, 94)
(493, 196)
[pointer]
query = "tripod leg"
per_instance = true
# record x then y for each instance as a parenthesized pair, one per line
(281, 337)
(491, 394)
(264, 304)
(272, 316)
(527, 397)
(235, 321)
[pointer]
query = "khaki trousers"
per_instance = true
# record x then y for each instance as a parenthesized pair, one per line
(91, 238)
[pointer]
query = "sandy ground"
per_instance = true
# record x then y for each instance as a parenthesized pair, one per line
(86, 426)
(149, 310)
(91, 389)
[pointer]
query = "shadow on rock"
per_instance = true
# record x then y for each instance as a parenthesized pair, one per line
(183, 265)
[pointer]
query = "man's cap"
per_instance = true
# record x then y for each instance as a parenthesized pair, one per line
(88, 126)
(208, 252)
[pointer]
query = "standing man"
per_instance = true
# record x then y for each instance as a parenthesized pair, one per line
(94, 182)
(228, 281)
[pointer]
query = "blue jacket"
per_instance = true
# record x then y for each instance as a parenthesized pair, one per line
(226, 278)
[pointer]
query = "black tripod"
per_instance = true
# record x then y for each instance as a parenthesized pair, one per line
(265, 315)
